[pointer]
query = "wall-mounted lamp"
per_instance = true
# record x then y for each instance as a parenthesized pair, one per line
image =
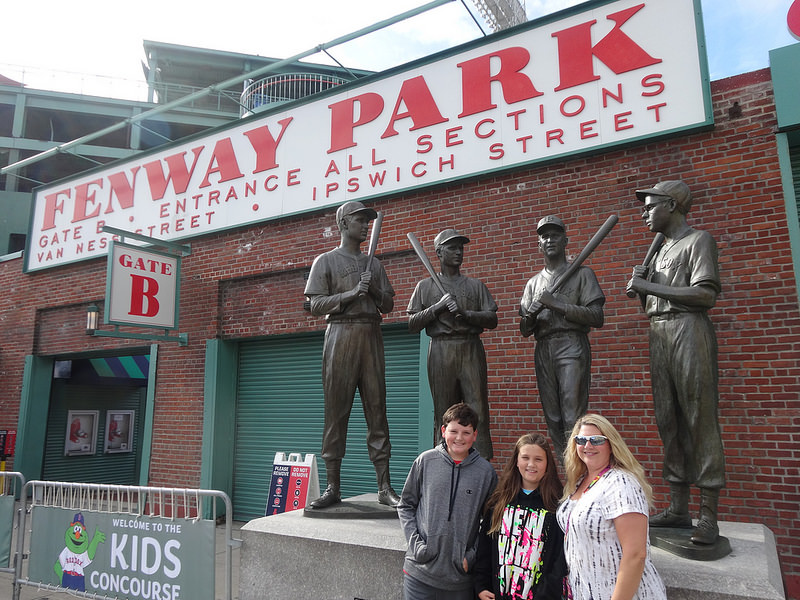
(93, 324)
(92, 319)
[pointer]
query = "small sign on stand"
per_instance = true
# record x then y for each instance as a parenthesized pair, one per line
(294, 480)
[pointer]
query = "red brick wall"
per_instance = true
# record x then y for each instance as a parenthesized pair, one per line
(249, 283)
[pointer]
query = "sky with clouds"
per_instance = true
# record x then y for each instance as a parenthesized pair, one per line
(99, 37)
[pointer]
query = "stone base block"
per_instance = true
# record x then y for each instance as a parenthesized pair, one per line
(293, 556)
(750, 572)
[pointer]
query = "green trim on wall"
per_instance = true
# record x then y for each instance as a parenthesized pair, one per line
(786, 84)
(219, 409)
(147, 422)
(33, 406)
(426, 417)
(790, 198)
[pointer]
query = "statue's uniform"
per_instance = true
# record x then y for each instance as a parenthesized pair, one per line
(563, 356)
(456, 358)
(352, 356)
(683, 364)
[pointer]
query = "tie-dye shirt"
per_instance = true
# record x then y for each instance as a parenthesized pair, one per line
(591, 544)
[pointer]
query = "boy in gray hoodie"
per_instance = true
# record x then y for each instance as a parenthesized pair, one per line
(440, 510)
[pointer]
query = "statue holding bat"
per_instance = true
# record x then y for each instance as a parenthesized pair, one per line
(352, 291)
(454, 310)
(677, 287)
(559, 306)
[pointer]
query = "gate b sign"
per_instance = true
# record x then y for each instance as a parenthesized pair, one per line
(142, 287)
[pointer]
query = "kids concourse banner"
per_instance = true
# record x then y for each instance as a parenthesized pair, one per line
(123, 556)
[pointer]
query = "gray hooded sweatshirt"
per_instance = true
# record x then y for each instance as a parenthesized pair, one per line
(439, 511)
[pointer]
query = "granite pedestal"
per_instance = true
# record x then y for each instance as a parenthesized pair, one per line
(293, 556)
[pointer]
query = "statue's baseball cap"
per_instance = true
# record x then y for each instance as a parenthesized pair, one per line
(448, 234)
(550, 221)
(350, 208)
(677, 190)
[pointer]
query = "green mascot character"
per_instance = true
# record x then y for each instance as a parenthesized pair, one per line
(77, 554)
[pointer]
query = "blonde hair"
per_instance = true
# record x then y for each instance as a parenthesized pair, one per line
(621, 456)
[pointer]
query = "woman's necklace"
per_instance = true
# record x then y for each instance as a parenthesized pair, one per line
(597, 477)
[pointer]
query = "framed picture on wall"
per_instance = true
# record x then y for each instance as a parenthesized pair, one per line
(119, 431)
(81, 436)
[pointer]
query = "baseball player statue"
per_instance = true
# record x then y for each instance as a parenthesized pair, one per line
(454, 321)
(352, 291)
(561, 323)
(677, 290)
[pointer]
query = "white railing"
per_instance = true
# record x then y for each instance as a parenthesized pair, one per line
(285, 87)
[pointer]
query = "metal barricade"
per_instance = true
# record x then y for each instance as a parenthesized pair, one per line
(11, 485)
(115, 541)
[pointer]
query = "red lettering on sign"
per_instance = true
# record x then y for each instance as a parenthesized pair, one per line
(616, 50)
(225, 159)
(143, 292)
(420, 106)
(177, 173)
(477, 78)
(83, 198)
(344, 122)
(122, 188)
(265, 145)
(53, 203)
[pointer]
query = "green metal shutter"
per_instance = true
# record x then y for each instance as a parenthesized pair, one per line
(121, 468)
(280, 409)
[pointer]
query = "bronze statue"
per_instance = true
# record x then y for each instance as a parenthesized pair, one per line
(352, 291)
(678, 288)
(561, 323)
(454, 320)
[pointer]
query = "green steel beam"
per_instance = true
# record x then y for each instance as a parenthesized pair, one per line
(221, 86)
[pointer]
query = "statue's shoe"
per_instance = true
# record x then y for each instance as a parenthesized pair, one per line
(388, 497)
(329, 497)
(667, 518)
(706, 532)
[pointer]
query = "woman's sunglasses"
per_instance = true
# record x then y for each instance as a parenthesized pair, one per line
(594, 440)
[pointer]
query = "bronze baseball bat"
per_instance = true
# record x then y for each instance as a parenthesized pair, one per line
(597, 238)
(423, 258)
(648, 258)
(373, 240)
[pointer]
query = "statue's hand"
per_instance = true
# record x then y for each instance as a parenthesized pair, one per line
(452, 304)
(446, 302)
(635, 285)
(534, 309)
(547, 299)
(363, 284)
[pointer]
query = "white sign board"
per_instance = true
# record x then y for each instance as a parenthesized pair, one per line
(600, 75)
(142, 287)
(293, 484)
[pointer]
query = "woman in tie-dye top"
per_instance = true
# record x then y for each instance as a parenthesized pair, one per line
(521, 547)
(604, 517)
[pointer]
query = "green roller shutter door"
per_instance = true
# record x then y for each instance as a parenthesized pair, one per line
(280, 409)
(97, 467)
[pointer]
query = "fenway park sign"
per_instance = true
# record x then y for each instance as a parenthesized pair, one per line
(586, 79)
